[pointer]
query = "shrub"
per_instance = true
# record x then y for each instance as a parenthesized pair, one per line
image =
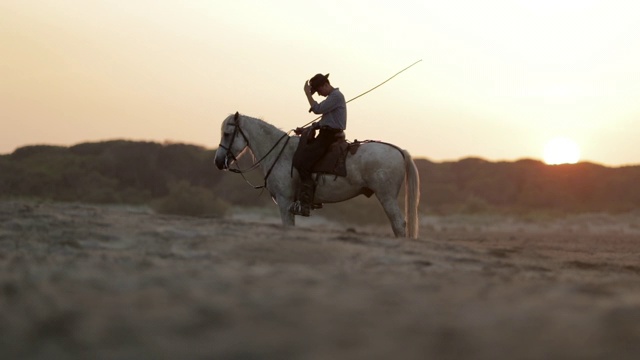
(185, 199)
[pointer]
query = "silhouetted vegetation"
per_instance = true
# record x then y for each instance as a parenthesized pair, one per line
(187, 199)
(528, 185)
(106, 172)
(179, 178)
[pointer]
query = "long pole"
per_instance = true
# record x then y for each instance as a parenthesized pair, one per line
(373, 88)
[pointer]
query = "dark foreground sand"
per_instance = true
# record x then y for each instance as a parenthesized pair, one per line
(89, 282)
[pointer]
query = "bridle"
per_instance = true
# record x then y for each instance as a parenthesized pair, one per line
(229, 155)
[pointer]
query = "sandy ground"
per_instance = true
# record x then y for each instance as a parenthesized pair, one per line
(90, 282)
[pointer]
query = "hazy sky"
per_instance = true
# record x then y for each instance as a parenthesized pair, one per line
(499, 78)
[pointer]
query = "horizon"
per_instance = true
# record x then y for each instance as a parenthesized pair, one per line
(415, 157)
(498, 80)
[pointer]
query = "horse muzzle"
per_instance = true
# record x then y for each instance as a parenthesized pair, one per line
(222, 161)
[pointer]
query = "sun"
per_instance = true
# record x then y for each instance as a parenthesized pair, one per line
(561, 150)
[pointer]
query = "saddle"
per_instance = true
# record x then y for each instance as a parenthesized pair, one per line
(334, 161)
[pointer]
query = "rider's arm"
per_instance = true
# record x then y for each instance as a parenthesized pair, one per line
(307, 92)
(329, 104)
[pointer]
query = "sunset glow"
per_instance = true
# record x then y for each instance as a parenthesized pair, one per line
(561, 150)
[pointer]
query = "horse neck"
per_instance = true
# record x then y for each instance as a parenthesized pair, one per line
(262, 138)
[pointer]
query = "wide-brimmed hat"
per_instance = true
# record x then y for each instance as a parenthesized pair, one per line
(317, 81)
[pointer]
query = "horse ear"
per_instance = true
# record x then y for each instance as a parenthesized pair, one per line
(236, 116)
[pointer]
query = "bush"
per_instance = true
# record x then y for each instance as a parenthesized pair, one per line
(185, 199)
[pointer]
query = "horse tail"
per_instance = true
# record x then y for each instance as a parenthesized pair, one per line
(412, 195)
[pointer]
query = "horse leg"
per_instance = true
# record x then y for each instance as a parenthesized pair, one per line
(288, 219)
(395, 215)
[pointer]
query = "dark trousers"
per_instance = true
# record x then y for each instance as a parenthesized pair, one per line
(311, 149)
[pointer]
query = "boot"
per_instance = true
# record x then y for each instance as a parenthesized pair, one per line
(305, 199)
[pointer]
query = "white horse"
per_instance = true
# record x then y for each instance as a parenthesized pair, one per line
(376, 167)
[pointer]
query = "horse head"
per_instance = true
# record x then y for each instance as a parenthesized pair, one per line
(233, 142)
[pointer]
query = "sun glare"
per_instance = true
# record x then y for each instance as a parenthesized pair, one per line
(561, 150)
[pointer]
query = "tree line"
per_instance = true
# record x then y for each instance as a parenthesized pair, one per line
(184, 176)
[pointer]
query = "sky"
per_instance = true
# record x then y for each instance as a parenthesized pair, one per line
(498, 78)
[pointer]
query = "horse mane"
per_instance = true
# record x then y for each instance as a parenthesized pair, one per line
(263, 127)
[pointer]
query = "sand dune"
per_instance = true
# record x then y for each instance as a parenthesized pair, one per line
(81, 281)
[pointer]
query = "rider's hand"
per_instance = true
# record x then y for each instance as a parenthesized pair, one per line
(307, 88)
(298, 131)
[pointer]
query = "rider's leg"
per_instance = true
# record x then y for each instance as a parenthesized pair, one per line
(309, 155)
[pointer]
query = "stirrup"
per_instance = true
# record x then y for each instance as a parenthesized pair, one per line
(296, 208)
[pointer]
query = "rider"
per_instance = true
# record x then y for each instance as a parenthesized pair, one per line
(331, 125)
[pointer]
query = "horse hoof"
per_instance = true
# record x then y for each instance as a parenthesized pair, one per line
(297, 208)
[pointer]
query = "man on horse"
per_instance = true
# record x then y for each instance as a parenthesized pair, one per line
(331, 125)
